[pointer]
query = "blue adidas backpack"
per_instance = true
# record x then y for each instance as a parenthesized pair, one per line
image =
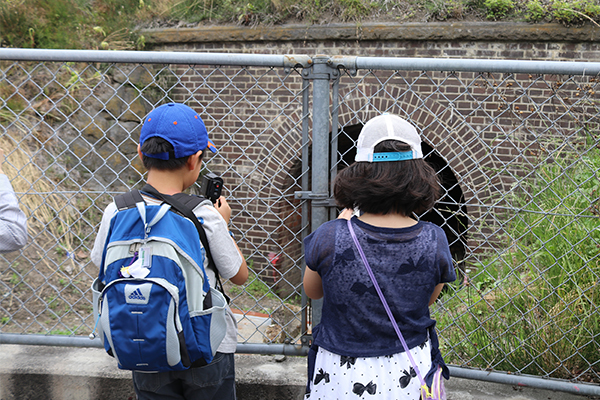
(164, 316)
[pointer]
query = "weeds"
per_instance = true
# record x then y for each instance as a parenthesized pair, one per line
(113, 24)
(498, 9)
(443, 10)
(355, 10)
(535, 11)
(15, 279)
(527, 306)
(572, 12)
(254, 286)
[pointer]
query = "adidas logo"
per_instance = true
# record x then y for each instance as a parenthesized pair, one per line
(137, 295)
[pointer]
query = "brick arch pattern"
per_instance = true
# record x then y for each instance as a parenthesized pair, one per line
(272, 219)
(450, 132)
(441, 127)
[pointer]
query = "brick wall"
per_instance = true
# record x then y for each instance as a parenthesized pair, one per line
(260, 140)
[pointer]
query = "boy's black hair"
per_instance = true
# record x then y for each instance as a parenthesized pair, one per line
(154, 145)
(388, 187)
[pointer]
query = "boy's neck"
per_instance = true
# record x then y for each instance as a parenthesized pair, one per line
(166, 182)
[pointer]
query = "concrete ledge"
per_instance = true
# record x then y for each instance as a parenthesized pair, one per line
(40, 372)
(63, 373)
(60, 373)
(466, 31)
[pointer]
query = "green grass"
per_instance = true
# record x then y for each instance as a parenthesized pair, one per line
(533, 306)
(61, 332)
(15, 279)
(254, 286)
(112, 24)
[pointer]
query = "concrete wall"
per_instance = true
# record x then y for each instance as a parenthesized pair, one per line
(66, 373)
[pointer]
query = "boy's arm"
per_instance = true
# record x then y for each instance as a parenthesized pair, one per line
(242, 276)
(227, 256)
(225, 210)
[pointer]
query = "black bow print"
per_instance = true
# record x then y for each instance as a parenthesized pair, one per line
(422, 345)
(405, 379)
(359, 388)
(348, 360)
(321, 376)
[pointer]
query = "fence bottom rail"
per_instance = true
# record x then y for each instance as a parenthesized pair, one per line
(536, 382)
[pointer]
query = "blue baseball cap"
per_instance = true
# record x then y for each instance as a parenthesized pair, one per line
(179, 125)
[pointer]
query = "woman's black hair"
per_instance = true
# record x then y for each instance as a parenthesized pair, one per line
(387, 187)
(154, 145)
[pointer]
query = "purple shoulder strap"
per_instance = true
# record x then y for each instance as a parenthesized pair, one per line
(385, 304)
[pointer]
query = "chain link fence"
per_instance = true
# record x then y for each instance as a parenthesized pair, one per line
(516, 148)
(518, 156)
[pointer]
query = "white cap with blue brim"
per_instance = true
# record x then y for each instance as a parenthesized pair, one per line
(387, 127)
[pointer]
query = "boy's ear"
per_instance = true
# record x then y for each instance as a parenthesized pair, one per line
(194, 159)
(139, 151)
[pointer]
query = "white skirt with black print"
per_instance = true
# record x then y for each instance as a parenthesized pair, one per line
(382, 378)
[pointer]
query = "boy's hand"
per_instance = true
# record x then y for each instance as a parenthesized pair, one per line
(223, 208)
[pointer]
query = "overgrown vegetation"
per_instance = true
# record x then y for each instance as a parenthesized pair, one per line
(49, 274)
(114, 24)
(534, 307)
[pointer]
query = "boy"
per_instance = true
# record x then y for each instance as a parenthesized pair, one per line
(173, 140)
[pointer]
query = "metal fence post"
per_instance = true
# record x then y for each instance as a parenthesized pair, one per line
(320, 154)
(305, 183)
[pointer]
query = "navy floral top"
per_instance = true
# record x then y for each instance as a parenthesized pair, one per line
(408, 263)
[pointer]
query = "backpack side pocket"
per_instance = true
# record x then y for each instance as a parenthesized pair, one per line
(210, 323)
(96, 292)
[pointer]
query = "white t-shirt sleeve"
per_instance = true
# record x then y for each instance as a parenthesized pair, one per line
(222, 247)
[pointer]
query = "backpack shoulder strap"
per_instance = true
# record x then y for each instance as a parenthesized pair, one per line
(189, 201)
(184, 207)
(128, 200)
(185, 204)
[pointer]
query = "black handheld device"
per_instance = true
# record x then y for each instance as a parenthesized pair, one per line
(212, 184)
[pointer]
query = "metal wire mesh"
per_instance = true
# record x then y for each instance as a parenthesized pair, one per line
(70, 134)
(517, 155)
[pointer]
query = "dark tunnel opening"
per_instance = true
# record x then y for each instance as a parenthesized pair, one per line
(450, 212)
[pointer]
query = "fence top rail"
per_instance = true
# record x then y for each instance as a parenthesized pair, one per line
(469, 65)
(351, 63)
(287, 61)
(156, 57)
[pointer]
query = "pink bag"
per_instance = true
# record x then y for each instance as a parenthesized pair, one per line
(437, 390)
